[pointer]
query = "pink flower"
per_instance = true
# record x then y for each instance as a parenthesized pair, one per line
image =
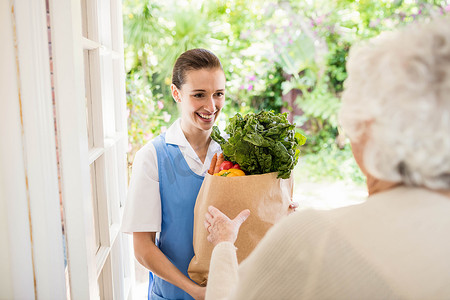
(374, 23)
(447, 8)
(319, 20)
(242, 87)
(245, 34)
(252, 78)
(160, 104)
(250, 87)
(166, 117)
(148, 136)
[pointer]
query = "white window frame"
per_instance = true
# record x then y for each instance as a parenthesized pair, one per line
(111, 266)
(32, 248)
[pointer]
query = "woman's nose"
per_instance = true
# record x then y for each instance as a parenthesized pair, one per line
(210, 104)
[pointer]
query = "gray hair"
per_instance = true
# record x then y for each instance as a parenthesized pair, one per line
(398, 94)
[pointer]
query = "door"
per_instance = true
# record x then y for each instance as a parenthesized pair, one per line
(63, 174)
(89, 85)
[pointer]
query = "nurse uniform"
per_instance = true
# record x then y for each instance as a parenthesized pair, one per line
(167, 175)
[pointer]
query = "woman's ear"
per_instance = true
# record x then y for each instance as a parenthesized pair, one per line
(175, 93)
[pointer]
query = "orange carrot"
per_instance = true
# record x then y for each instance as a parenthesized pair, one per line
(220, 160)
(213, 165)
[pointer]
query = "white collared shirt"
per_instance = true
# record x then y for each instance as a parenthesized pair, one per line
(142, 211)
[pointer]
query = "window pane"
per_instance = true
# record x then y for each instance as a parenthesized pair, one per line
(116, 21)
(111, 173)
(84, 18)
(105, 22)
(100, 286)
(88, 102)
(95, 206)
(107, 92)
(105, 280)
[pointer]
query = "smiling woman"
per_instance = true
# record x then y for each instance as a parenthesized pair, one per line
(199, 87)
(201, 98)
(167, 175)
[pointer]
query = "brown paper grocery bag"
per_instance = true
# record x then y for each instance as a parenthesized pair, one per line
(268, 199)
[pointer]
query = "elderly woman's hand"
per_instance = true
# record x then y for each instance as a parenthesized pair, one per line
(221, 228)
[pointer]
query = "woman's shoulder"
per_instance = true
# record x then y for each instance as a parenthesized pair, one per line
(148, 150)
(146, 156)
(146, 162)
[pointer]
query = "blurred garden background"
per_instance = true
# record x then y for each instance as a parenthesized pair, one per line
(285, 56)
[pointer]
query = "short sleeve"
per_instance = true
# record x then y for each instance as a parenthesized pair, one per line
(142, 212)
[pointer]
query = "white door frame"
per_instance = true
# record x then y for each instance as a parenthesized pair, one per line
(29, 169)
(16, 269)
(32, 253)
(77, 154)
(69, 90)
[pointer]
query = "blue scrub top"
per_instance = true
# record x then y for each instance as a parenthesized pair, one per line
(178, 187)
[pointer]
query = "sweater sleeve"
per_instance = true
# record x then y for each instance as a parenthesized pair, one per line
(222, 271)
(284, 265)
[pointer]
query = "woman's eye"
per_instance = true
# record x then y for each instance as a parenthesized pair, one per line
(219, 94)
(199, 95)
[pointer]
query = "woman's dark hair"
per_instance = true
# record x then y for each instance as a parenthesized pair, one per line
(194, 59)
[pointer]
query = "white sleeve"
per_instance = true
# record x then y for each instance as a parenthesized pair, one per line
(142, 212)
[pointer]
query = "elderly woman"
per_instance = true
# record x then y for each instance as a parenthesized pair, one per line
(396, 112)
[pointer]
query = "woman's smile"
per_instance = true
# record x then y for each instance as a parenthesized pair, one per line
(206, 117)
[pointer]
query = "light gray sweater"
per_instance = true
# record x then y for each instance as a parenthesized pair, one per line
(396, 245)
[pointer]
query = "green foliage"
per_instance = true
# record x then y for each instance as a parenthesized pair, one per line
(266, 51)
(261, 143)
(336, 72)
(141, 98)
(320, 105)
(321, 140)
(269, 98)
(329, 163)
(339, 24)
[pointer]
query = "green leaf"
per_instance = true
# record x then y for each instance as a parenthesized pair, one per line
(261, 143)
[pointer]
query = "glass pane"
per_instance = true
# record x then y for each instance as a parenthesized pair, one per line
(104, 14)
(119, 96)
(84, 18)
(110, 166)
(105, 280)
(122, 172)
(95, 207)
(88, 102)
(100, 286)
(116, 20)
(107, 93)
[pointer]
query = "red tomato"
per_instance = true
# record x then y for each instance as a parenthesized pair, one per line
(226, 165)
(236, 166)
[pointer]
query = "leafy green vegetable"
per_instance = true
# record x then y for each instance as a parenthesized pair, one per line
(261, 143)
